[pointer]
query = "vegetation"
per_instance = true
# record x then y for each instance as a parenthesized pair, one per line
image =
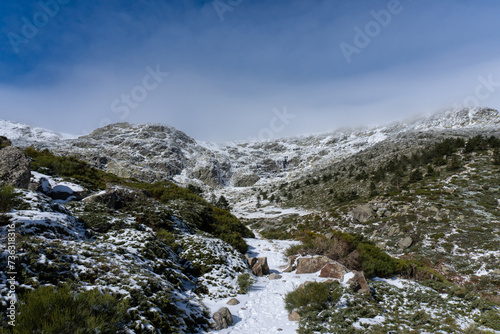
(355, 252)
(313, 296)
(244, 282)
(8, 198)
(61, 310)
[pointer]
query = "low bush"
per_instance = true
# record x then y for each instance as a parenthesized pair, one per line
(61, 310)
(8, 198)
(244, 282)
(313, 296)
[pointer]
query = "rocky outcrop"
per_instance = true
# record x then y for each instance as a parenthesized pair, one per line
(223, 319)
(245, 180)
(14, 168)
(358, 283)
(309, 265)
(334, 270)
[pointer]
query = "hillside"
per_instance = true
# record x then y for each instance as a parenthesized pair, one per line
(140, 212)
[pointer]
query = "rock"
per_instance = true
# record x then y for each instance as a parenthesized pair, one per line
(358, 283)
(245, 180)
(387, 213)
(251, 261)
(381, 212)
(363, 213)
(433, 209)
(392, 231)
(61, 192)
(329, 235)
(223, 319)
(381, 244)
(405, 243)
(291, 266)
(233, 301)
(334, 270)
(274, 276)
(294, 316)
(4, 142)
(309, 265)
(14, 168)
(261, 268)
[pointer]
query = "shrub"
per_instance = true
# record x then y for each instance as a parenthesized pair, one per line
(313, 296)
(244, 282)
(8, 199)
(51, 310)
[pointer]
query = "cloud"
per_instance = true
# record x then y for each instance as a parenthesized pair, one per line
(226, 78)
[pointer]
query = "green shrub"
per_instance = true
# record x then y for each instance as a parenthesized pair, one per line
(313, 296)
(8, 199)
(244, 282)
(61, 310)
(491, 319)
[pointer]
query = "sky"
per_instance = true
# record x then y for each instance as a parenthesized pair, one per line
(244, 69)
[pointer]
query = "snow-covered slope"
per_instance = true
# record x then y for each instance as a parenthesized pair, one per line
(23, 134)
(157, 152)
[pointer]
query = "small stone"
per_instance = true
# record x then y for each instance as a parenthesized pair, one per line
(294, 316)
(223, 319)
(233, 301)
(274, 276)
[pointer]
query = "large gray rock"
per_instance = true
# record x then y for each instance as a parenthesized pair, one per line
(14, 168)
(223, 319)
(405, 243)
(363, 213)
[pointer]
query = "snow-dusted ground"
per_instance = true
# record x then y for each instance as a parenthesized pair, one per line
(262, 310)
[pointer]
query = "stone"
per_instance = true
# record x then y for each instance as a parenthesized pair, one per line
(245, 180)
(233, 301)
(252, 261)
(294, 316)
(363, 213)
(274, 276)
(261, 268)
(433, 209)
(14, 168)
(334, 270)
(309, 265)
(405, 243)
(223, 319)
(387, 214)
(329, 235)
(291, 266)
(381, 212)
(358, 283)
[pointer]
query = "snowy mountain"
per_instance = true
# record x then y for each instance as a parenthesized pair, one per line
(158, 152)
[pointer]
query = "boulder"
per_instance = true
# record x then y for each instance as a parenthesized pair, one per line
(309, 265)
(261, 268)
(358, 283)
(291, 266)
(405, 243)
(363, 213)
(61, 192)
(233, 301)
(294, 316)
(275, 276)
(334, 270)
(251, 261)
(223, 319)
(110, 199)
(14, 168)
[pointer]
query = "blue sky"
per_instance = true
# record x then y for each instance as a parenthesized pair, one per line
(233, 65)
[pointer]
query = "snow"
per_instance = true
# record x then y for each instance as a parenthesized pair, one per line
(262, 310)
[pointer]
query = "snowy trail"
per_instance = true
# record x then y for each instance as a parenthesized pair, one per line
(262, 310)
